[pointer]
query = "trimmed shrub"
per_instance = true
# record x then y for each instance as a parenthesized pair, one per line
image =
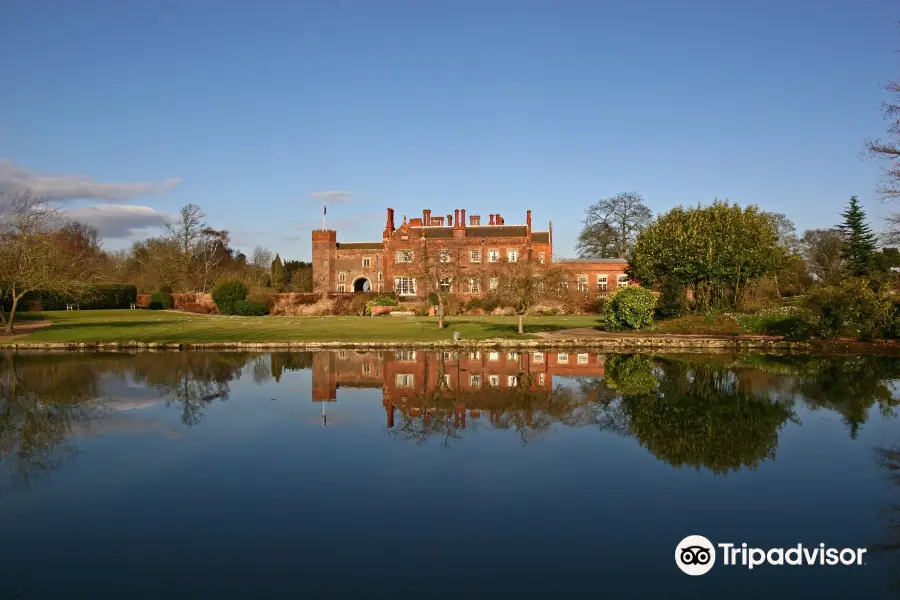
(249, 308)
(161, 301)
(629, 308)
(227, 294)
(380, 300)
(166, 288)
(99, 296)
(673, 300)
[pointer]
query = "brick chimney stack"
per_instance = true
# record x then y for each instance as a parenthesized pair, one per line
(492, 219)
(426, 217)
(462, 218)
(456, 218)
(450, 220)
(528, 219)
(389, 226)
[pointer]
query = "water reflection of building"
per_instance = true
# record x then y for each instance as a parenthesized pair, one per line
(413, 381)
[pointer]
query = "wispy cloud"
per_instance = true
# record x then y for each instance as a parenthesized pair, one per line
(120, 221)
(77, 186)
(295, 238)
(333, 196)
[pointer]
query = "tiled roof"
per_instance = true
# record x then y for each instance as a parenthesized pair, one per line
(498, 231)
(438, 232)
(360, 246)
(540, 237)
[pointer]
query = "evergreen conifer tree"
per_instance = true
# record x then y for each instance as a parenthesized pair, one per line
(277, 277)
(859, 241)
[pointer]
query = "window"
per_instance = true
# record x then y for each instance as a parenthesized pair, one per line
(379, 276)
(494, 255)
(494, 380)
(475, 355)
(474, 286)
(494, 283)
(512, 255)
(582, 283)
(494, 356)
(583, 358)
(446, 355)
(602, 282)
(538, 357)
(367, 261)
(342, 354)
(562, 357)
(406, 355)
(405, 380)
(475, 256)
(512, 356)
(444, 256)
(621, 280)
(341, 288)
(540, 378)
(405, 286)
(541, 257)
(512, 381)
(475, 381)
(367, 369)
(404, 256)
(342, 277)
(380, 287)
(446, 284)
(447, 380)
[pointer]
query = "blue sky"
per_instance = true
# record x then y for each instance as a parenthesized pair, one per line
(248, 108)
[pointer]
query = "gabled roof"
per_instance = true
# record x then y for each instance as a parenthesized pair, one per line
(540, 237)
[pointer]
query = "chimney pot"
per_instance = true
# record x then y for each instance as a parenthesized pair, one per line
(450, 220)
(462, 218)
(492, 219)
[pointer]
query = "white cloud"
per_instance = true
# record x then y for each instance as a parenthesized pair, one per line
(118, 221)
(333, 196)
(78, 186)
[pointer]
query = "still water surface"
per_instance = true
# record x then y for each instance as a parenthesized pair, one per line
(441, 475)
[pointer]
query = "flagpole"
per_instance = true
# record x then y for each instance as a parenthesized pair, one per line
(324, 212)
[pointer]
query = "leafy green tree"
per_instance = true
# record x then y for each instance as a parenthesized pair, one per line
(277, 277)
(859, 241)
(716, 250)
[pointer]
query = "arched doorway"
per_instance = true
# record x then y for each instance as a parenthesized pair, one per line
(362, 285)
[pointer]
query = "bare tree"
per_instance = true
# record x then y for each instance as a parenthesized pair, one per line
(211, 251)
(31, 257)
(888, 149)
(261, 260)
(525, 284)
(438, 266)
(822, 250)
(623, 215)
(186, 234)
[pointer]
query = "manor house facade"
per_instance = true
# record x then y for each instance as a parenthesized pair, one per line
(476, 249)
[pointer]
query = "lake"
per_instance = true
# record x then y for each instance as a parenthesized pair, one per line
(418, 474)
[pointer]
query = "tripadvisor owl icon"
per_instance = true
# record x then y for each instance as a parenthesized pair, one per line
(695, 555)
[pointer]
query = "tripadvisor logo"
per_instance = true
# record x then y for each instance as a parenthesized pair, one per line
(696, 555)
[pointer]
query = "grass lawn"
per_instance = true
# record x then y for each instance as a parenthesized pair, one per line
(162, 326)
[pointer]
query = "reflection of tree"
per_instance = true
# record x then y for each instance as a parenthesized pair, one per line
(705, 416)
(289, 361)
(39, 403)
(850, 386)
(191, 379)
(889, 459)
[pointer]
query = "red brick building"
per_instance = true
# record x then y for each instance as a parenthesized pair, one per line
(476, 249)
